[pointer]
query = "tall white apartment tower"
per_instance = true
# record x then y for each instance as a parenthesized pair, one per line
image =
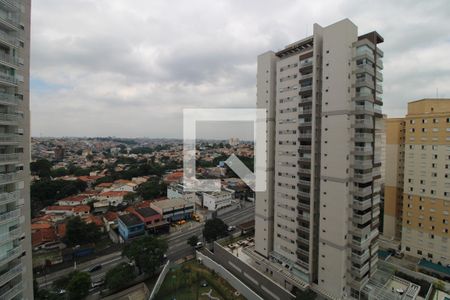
(16, 280)
(318, 218)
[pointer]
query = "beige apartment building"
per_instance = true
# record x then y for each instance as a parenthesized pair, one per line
(417, 201)
(16, 281)
(318, 217)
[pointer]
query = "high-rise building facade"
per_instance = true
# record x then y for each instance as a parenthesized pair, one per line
(393, 180)
(15, 244)
(422, 191)
(318, 217)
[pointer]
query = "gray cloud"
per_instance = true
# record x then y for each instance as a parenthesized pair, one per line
(127, 68)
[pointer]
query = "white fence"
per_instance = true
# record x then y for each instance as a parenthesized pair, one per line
(160, 280)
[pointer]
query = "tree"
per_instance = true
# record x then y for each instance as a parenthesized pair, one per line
(439, 285)
(130, 197)
(120, 276)
(78, 232)
(41, 168)
(306, 295)
(193, 240)
(59, 172)
(78, 286)
(214, 229)
(147, 252)
(151, 189)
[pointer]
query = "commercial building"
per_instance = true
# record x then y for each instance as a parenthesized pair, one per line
(177, 190)
(418, 172)
(16, 280)
(173, 209)
(318, 217)
(217, 200)
(130, 226)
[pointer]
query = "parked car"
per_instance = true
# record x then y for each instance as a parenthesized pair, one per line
(231, 228)
(199, 245)
(97, 283)
(95, 268)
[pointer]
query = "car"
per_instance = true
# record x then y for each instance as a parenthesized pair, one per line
(97, 283)
(60, 291)
(199, 245)
(204, 283)
(95, 268)
(231, 228)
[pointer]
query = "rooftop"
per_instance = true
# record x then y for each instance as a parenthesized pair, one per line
(146, 212)
(169, 203)
(130, 220)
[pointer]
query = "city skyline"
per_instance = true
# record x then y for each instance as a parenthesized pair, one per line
(94, 79)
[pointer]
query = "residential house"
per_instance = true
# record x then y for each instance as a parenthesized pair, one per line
(130, 226)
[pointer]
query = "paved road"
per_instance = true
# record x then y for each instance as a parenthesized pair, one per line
(178, 248)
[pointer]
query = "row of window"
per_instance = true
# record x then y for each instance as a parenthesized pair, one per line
(425, 121)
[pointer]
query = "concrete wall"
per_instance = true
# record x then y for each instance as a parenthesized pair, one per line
(160, 280)
(229, 277)
(258, 282)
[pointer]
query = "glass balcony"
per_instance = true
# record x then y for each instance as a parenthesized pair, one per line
(10, 274)
(306, 76)
(303, 218)
(8, 59)
(304, 136)
(8, 117)
(361, 82)
(303, 206)
(301, 251)
(362, 191)
(363, 150)
(305, 100)
(11, 292)
(9, 158)
(303, 194)
(8, 79)
(305, 64)
(9, 39)
(304, 148)
(365, 68)
(302, 240)
(363, 164)
(304, 159)
(360, 271)
(362, 205)
(366, 177)
(379, 89)
(9, 177)
(304, 182)
(362, 219)
(12, 21)
(363, 137)
(6, 98)
(9, 216)
(363, 123)
(9, 197)
(305, 124)
(8, 236)
(360, 258)
(9, 138)
(304, 171)
(361, 232)
(305, 112)
(302, 229)
(10, 255)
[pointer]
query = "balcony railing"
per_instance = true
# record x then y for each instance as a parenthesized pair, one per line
(6, 217)
(362, 205)
(8, 78)
(304, 182)
(306, 88)
(305, 135)
(9, 157)
(304, 124)
(9, 138)
(362, 192)
(5, 277)
(304, 159)
(13, 22)
(10, 254)
(8, 117)
(9, 98)
(9, 197)
(361, 232)
(364, 68)
(9, 177)
(7, 236)
(360, 271)
(305, 112)
(6, 58)
(302, 240)
(12, 292)
(363, 150)
(304, 194)
(364, 82)
(362, 219)
(363, 123)
(306, 100)
(360, 258)
(304, 147)
(305, 64)
(304, 171)
(364, 137)
(10, 39)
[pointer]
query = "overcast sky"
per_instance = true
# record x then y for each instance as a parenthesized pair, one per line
(127, 68)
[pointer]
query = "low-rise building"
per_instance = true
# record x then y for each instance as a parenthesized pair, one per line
(148, 215)
(217, 200)
(74, 200)
(173, 209)
(177, 190)
(114, 198)
(130, 226)
(67, 211)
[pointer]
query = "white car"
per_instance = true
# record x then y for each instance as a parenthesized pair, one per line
(199, 245)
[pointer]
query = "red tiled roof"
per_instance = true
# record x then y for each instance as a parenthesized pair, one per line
(82, 208)
(110, 216)
(175, 176)
(105, 184)
(38, 226)
(61, 229)
(114, 194)
(93, 219)
(59, 207)
(77, 198)
(41, 236)
(122, 181)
